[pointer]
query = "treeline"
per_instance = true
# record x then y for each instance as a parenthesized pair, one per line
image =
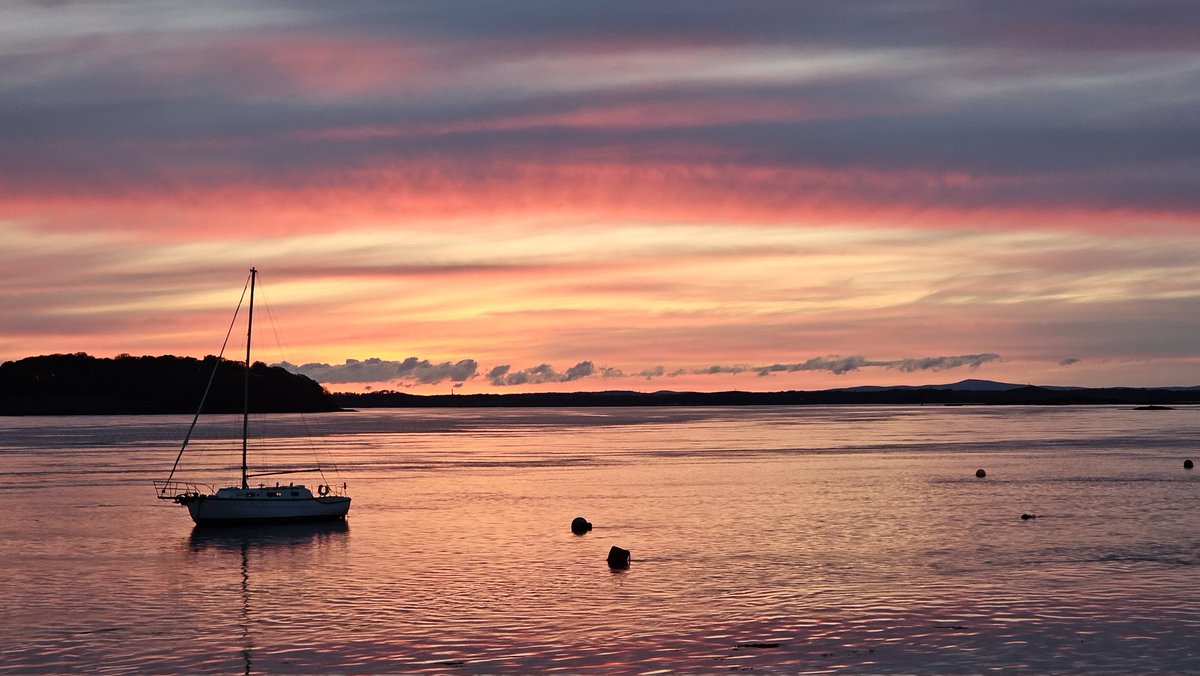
(928, 396)
(67, 384)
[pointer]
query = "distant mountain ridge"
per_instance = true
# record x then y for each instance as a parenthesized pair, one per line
(972, 392)
(977, 385)
(78, 384)
(968, 385)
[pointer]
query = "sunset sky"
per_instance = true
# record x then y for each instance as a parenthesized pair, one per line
(587, 195)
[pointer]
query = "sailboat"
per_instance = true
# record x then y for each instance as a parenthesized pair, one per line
(247, 503)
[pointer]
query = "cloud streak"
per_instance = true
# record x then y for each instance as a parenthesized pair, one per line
(411, 371)
(839, 365)
(503, 375)
(861, 106)
(415, 371)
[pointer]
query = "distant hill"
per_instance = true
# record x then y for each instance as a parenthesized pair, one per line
(995, 393)
(63, 384)
(969, 385)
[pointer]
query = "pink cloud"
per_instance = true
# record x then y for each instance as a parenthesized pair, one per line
(216, 205)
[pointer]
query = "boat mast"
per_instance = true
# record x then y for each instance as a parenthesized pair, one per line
(246, 386)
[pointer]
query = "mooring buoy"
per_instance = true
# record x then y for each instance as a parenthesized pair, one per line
(618, 558)
(1187, 464)
(580, 525)
(980, 473)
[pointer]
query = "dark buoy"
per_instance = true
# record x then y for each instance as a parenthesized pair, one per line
(580, 525)
(618, 558)
(980, 473)
(1026, 517)
(1187, 464)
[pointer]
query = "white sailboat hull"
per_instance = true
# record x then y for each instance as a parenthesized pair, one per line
(230, 510)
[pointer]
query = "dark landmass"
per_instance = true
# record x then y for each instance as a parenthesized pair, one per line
(970, 384)
(948, 395)
(78, 384)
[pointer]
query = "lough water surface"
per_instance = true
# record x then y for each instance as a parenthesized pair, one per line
(787, 539)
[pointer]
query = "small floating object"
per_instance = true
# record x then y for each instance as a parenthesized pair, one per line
(1187, 464)
(580, 525)
(618, 558)
(980, 473)
(1026, 517)
(1154, 407)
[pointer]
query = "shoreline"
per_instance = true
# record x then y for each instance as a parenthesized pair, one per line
(1149, 399)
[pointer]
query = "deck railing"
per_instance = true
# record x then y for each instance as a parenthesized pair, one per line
(171, 490)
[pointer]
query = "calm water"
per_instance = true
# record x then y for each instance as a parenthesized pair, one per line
(766, 539)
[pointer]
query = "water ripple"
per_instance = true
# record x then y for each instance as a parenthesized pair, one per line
(775, 539)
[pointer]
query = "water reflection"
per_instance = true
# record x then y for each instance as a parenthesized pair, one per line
(778, 540)
(260, 537)
(244, 616)
(260, 550)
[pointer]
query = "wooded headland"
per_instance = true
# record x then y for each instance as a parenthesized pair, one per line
(79, 384)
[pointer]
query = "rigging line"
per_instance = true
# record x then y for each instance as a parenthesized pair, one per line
(285, 355)
(212, 376)
(264, 304)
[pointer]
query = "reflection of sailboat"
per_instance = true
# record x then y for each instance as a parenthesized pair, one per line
(244, 616)
(266, 537)
(247, 548)
(247, 504)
